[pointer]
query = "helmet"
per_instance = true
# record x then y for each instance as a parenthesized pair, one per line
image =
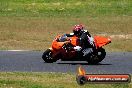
(77, 29)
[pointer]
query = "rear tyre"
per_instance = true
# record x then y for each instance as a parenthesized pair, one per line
(47, 56)
(93, 59)
(96, 58)
(101, 54)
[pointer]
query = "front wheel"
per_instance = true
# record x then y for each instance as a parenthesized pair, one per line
(47, 56)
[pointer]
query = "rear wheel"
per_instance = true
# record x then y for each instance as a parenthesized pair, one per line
(47, 56)
(96, 58)
(93, 59)
(101, 54)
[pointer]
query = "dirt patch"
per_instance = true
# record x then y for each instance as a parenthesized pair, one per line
(127, 36)
(118, 36)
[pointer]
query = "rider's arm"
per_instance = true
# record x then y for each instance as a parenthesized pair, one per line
(70, 35)
(83, 38)
(86, 37)
(87, 33)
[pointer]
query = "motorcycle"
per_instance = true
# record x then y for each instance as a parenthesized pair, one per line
(62, 48)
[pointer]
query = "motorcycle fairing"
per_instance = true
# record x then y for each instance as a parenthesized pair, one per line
(57, 45)
(101, 41)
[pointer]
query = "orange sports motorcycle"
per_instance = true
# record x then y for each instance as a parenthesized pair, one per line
(62, 48)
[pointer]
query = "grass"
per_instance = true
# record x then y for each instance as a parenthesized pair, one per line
(35, 33)
(33, 24)
(47, 80)
(66, 8)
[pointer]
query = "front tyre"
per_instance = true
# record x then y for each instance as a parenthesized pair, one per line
(47, 56)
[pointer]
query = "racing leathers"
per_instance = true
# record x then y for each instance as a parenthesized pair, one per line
(86, 42)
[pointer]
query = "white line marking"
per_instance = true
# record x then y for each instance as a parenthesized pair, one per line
(14, 50)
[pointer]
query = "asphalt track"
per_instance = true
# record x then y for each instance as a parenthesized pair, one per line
(31, 61)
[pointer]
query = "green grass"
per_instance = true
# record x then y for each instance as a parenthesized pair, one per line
(35, 33)
(65, 8)
(33, 24)
(47, 80)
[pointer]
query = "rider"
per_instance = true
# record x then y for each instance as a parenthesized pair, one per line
(86, 41)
